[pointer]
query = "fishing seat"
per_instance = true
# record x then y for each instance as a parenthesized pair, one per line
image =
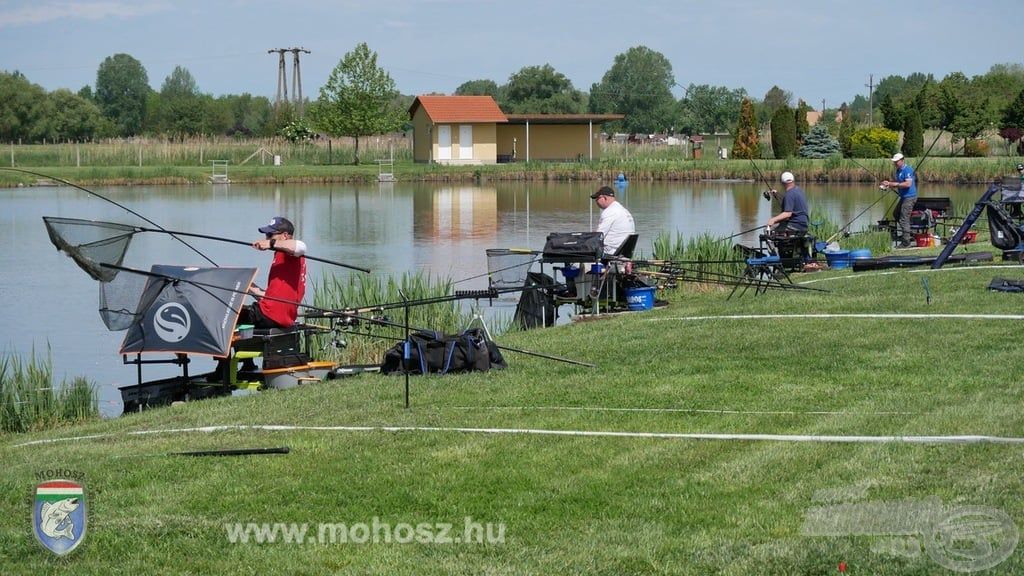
(760, 273)
(279, 347)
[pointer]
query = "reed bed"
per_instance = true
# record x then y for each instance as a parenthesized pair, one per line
(30, 398)
(200, 152)
(367, 342)
(703, 256)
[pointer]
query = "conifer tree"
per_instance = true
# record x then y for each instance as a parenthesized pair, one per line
(802, 126)
(819, 143)
(784, 132)
(913, 134)
(746, 143)
(846, 129)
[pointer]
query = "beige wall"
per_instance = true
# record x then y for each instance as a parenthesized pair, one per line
(549, 141)
(425, 141)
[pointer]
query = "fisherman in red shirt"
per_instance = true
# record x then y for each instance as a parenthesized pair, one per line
(277, 306)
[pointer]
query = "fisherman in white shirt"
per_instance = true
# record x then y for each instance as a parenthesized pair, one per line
(616, 222)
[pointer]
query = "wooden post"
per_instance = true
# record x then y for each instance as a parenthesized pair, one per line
(200, 153)
(12, 154)
(78, 156)
(140, 155)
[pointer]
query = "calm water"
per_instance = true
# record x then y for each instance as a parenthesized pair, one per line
(49, 303)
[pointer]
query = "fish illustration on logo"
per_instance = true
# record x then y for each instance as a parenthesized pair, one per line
(58, 515)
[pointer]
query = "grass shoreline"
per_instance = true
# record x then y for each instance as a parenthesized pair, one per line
(604, 505)
(935, 170)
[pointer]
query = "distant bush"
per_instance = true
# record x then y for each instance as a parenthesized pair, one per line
(874, 143)
(976, 148)
(819, 143)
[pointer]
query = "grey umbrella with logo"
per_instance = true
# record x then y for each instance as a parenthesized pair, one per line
(188, 310)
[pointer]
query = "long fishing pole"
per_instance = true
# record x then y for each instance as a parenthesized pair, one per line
(245, 243)
(378, 321)
(740, 233)
(104, 198)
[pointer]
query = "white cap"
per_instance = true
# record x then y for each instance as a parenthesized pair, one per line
(897, 157)
(786, 177)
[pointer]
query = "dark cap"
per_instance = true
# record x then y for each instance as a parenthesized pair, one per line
(278, 224)
(1020, 167)
(603, 191)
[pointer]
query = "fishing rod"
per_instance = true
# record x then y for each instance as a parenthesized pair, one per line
(761, 175)
(885, 189)
(350, 315)
(743, 232)
(719, 278)
(104, 198)
(501, 347)
(489, 293)
(245, 243)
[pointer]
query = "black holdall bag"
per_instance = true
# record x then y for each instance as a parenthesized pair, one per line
(438, 353)
(574, 246)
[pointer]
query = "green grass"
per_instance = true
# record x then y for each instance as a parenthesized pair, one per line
(577, 504)
(189, 163)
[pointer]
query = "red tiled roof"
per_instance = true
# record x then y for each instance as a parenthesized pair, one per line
(445, 109)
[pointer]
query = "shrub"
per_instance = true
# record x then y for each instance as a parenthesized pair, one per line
(819, 143)
(976, 148)
(874, 143)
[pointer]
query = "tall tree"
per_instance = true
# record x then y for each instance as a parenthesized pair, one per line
(76, 118)
(181, 108)
(784, 133)
(846, 129)
(892, 113)
(358, 99)
(122, 87)
(541, 90)
(478, 88)
(21, 110)
(802, 125)
(639, 85)
(712, 109)
(1011, 125)
(774, 99)
(913, 134)
(746, 143)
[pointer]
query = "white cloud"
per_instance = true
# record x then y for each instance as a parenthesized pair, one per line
(48, 11)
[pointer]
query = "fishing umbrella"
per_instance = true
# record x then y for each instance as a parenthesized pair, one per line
(188, 310)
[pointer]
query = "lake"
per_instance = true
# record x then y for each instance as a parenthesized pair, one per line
(50, 305)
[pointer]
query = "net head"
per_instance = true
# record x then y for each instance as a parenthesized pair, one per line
(91, 244)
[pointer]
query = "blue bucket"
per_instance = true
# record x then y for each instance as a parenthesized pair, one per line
(570, 272)
(838, 259)
(638, 299)
(860, 253)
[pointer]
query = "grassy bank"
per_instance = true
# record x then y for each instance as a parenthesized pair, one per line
(583, 504)
(637, 168)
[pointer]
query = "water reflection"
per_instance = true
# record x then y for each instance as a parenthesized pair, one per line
(444, 229)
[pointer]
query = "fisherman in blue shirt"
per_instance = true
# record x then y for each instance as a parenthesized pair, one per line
(905, 184)
(793, 219)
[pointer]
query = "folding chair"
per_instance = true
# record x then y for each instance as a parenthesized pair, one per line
(760, 273)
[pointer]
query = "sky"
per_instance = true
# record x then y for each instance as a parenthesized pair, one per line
(822, 50)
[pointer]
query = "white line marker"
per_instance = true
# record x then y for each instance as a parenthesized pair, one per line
(682, 410)
(863, 316)
(963, 439)
(916, 271)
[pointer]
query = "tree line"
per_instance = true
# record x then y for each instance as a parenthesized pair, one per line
(360, 99)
